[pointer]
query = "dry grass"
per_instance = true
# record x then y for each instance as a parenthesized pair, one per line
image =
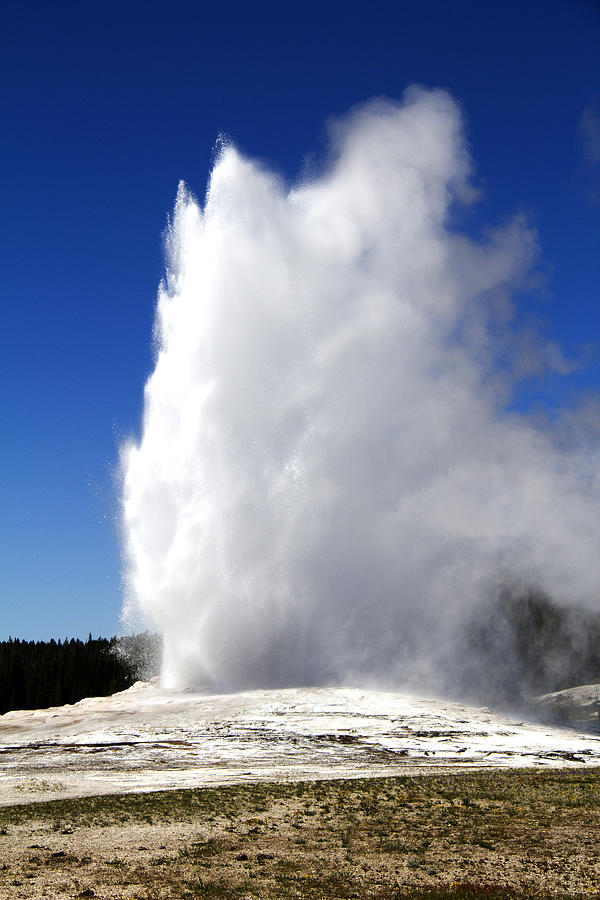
(490, 835)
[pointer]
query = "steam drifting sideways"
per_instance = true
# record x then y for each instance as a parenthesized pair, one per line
(331, 476)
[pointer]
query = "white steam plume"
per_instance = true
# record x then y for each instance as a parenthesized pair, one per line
(329, 476)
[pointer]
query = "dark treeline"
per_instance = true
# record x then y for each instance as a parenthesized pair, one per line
(524, 643)
(38, 674)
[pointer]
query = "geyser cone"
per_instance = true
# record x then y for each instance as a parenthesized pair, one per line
(328, 476)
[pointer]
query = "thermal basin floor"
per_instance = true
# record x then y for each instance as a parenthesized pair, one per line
(149, 738)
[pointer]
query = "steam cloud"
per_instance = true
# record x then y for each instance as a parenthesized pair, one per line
(330, 476)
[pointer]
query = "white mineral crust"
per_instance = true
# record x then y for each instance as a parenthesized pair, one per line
(149, 738)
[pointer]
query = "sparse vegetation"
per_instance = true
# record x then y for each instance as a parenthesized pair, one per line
(495, 835)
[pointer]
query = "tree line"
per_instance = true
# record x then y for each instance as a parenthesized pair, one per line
(523, 643)
(38, 674)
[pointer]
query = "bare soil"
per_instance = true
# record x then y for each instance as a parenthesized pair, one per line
(494, 835)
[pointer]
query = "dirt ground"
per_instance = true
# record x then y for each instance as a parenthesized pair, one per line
(523, 834)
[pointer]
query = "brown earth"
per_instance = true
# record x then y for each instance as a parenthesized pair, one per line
(494, 834)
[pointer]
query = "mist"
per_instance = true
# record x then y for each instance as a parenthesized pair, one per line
(333, 476)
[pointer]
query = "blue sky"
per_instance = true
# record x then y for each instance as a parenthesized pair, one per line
(105, 107)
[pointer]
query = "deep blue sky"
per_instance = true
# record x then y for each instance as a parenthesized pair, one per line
(104, 107)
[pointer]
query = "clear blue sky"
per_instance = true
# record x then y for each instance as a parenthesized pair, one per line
(104, 107)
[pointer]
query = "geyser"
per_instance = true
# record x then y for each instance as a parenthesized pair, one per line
(332, 472)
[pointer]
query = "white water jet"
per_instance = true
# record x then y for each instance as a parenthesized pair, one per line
(330, 475)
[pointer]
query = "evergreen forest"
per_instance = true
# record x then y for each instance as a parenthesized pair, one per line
(37, 674)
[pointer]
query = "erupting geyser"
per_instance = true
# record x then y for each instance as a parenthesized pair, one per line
(330, 475)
